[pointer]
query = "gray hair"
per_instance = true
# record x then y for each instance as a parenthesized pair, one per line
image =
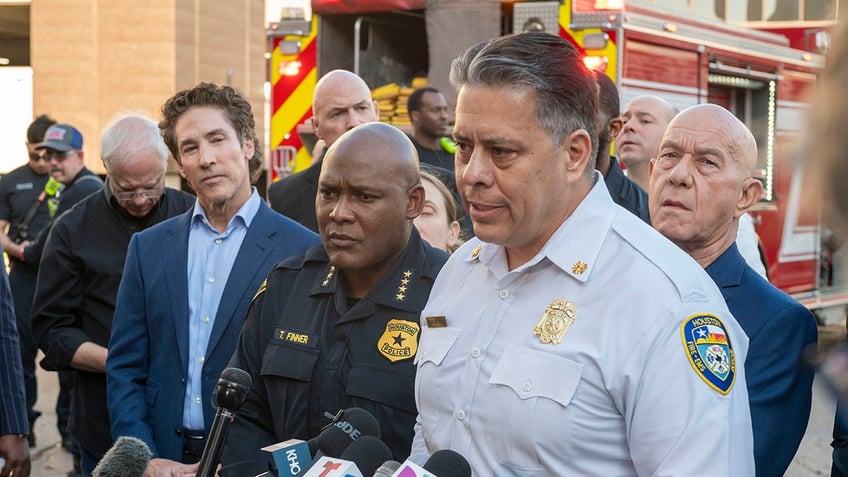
(129, 134)
(566, 91)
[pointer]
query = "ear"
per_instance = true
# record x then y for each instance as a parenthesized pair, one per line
(453, 235)
(577, 147)
(249, 148)
(614, 127)
(752, 191)
(376, 108)
(415, 201)
(414, 116)
(182, 172)
(314, 121)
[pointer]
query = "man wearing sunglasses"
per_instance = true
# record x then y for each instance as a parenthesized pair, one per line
(82, 265)
(61, 147)
(23, 213)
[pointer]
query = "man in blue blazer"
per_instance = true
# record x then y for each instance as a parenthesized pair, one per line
(188, 281)
(701, 184)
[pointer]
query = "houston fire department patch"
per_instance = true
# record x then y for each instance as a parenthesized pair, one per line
(709, 350)
(399, 341)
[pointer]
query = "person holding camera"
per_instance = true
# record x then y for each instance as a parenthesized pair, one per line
(23, 213)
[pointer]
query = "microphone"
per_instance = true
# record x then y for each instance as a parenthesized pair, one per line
(291, 457)
(387, 469)
(448, 463)
(367, 452)
(347, 426)
(230, 393)
(128, 457)
(443, 463)
(360, 459)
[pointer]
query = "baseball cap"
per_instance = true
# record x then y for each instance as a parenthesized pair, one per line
(61, 137)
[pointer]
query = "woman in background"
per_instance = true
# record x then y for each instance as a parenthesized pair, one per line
(438, 223)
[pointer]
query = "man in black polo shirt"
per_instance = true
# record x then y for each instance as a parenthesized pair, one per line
(23, 213)
(82, 264)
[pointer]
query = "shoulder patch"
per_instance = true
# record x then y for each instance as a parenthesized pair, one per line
(399, 340)
(709, 351)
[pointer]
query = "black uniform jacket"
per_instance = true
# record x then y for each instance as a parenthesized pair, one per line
(311, 350)
(75, 296)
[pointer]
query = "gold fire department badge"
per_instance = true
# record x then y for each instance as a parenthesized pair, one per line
(559, 315)
(399, 341)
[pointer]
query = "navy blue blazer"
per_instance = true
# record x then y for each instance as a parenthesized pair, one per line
(779, 386)
(146, 369)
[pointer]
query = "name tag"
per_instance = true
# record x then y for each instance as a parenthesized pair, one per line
(24, 186)
(296, 337)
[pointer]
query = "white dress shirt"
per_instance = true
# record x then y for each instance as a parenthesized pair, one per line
(619, 395)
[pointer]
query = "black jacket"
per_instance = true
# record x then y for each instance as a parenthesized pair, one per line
(310, 350)
(75, 296)
(294, 196)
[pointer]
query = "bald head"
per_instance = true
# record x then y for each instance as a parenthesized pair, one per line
(643, 122)
(382, 147)
(341, 101)
(369, 192)
(735, 136)
(702, 181)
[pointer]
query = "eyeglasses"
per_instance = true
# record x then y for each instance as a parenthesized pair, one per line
(58, 155)
(147, 194)
(36, 156)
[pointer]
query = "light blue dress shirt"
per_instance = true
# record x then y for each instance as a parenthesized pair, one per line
(211, 255)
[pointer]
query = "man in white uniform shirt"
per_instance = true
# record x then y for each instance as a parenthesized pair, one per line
(568, 338)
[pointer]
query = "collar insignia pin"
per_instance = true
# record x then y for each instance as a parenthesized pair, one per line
(579, 267)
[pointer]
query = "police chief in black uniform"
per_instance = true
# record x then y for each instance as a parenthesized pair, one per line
(338, 327)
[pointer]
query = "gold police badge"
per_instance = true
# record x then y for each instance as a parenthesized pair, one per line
(399, 341)
(559, 315)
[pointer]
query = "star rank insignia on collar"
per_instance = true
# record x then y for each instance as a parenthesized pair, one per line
(329, 276)
(579, 267)
(404, 282)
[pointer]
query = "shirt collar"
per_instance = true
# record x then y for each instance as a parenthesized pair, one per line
(575, 245)
(245, 214)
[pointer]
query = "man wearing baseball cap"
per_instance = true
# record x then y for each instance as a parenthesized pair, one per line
(62, 149)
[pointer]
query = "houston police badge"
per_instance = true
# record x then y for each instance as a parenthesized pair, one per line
(559, 315)
(399, 341)
(710, 351)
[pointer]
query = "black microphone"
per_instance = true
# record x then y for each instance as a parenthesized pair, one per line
(128, 457)
(347, 426)
(367, 452)
(448, 463)
(230, 393)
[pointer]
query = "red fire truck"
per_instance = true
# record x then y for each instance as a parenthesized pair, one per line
(686, 51)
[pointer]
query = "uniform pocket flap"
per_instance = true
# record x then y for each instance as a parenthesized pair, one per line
(288, 361)
(383, 386)
(531, 373)
(435, 344)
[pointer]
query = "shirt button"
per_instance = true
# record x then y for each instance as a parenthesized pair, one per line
(526, 387)
(211, 279)
(197, 400)
(475, 353)
(218, 241)
(460, 415)
(206, 319)
(200, 359)
(503, 294)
